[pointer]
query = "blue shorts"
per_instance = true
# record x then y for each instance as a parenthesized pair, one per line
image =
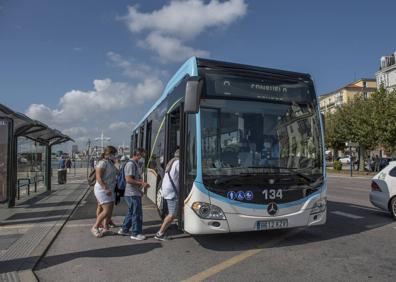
(172, 206)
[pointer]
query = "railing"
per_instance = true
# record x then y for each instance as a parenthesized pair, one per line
(26, 182)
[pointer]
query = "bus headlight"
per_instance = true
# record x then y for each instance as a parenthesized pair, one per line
(319, 206)
(208, 211)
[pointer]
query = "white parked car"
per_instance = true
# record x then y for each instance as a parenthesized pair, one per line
(383, 189)
(345, 160)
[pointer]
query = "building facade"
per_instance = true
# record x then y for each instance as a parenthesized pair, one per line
(330, 101)
(386, 75)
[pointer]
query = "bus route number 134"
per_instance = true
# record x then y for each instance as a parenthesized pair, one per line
(272, 194)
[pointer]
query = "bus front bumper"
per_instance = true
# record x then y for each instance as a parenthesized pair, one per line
(242, 223)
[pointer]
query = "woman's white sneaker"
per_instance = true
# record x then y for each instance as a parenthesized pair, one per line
(96, 232)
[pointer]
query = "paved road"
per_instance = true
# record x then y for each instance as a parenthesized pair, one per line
(357, 244)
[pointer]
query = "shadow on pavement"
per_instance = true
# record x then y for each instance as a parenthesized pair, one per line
(119, 251)
(16, 264)
(34, 199)
(49, 205)
(365, 219)
(30, 214)
(31, 221)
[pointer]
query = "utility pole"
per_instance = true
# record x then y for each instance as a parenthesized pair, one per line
(88, 156)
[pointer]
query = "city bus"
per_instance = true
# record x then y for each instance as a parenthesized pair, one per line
(251, 147)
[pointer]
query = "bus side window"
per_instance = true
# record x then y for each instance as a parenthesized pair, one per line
(141, 137)
(148, 138)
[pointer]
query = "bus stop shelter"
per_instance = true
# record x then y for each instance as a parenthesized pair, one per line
(12, 126)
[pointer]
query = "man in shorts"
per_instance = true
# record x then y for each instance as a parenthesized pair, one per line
(170, 191)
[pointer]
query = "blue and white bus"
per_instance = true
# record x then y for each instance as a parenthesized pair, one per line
(251, 143)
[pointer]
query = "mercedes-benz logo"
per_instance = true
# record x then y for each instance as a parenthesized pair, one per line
(272, 208)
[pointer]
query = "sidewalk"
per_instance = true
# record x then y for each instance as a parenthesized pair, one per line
(27, 230)
(76, 255)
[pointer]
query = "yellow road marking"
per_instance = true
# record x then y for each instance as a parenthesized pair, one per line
(223, 265)
(239, 258)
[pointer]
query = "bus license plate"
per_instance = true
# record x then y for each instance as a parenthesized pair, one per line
(271, 224)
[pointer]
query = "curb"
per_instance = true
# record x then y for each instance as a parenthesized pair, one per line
(40, 251)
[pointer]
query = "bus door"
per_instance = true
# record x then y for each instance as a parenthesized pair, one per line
(175, 140)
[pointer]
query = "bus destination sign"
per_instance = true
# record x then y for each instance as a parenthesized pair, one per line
(256, 88)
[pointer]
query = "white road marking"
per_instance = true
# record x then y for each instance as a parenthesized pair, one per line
(348, 176)
(347, 214)
(349, 188)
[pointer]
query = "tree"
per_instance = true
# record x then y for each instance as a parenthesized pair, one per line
(370, 122)
(333, 136)
(363, 126)
(384, 104)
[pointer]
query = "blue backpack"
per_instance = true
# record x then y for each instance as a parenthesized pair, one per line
(121, 182)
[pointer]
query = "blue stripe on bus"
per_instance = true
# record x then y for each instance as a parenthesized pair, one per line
(202, 188)
(188, 68)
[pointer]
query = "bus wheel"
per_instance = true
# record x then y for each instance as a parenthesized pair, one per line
(161, 204)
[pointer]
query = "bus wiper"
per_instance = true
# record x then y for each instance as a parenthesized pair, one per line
(228, 178)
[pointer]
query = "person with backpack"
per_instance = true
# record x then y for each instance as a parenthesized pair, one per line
(170, 192)
(133, 197)
(106, 178)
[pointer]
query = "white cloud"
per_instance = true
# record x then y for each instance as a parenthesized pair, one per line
(108, 97)
(85, 114)
(172, 49)
(75, 131)
(187, 19)
(170, 27)
(121, 125)
(132, 69)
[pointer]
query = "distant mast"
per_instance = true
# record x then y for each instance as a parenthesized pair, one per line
(102, 139)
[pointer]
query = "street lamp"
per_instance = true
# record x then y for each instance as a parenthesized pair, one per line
(351, 144)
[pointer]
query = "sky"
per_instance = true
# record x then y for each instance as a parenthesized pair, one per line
(90, 66)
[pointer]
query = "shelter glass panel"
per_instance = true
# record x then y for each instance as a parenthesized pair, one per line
(4, 158)
(31, 158)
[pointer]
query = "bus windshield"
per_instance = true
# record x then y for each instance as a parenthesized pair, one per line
(242, 137)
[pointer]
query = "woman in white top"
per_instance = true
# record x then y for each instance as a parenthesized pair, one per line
(106, 178)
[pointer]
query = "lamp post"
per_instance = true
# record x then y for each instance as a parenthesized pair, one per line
(350, 144)
(88, 155)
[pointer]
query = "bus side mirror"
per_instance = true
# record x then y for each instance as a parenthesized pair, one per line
(193, 94)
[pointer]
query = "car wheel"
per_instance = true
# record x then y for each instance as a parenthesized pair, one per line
(392, 207)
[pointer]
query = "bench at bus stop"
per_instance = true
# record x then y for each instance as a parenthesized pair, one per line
(26, 182)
